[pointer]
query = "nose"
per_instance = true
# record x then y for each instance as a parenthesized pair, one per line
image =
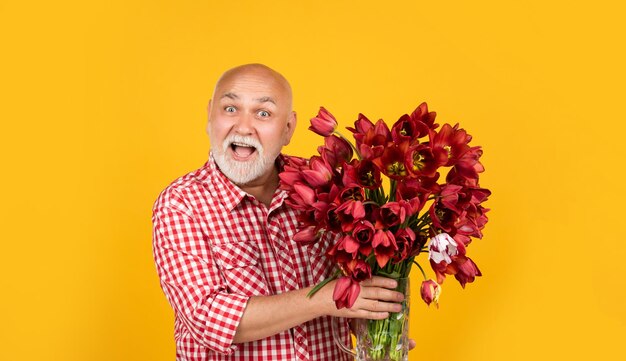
(244, 124)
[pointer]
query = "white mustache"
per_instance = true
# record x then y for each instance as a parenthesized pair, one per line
(248, 141)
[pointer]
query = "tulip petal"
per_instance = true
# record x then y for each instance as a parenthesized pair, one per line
(307, 194)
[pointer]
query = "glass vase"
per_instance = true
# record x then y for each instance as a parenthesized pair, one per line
(384, 340)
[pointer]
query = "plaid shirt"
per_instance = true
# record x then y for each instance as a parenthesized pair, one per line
(214, 247)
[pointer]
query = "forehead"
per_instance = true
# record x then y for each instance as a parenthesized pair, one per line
(250, 86)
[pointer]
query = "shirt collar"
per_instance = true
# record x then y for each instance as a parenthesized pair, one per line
(227, 192)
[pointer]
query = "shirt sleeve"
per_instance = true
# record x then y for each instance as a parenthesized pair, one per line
(189, 277)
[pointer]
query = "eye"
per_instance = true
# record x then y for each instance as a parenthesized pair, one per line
(230, 109)
(263, 113)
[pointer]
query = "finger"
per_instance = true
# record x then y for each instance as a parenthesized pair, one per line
(376, 306)
(379, 306)
(383, 294)
(377, 281)
(412, 344)
(370, 315)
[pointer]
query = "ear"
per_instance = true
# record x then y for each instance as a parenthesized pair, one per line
(208, 113)
(292, 120)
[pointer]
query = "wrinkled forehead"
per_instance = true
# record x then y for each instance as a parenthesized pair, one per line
(253, 84)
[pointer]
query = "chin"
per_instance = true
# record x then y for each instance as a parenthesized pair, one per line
(240, 172)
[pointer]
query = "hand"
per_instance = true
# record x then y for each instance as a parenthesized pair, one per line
(376, 299)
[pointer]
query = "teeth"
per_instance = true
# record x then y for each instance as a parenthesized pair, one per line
(242, 145)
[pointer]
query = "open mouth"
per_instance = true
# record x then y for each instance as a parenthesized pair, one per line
(242, 151)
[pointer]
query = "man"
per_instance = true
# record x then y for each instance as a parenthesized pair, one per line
(223, 241)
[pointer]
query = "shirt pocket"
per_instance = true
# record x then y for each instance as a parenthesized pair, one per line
(240, 268)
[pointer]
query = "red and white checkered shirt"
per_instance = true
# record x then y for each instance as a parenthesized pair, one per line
(214, 247)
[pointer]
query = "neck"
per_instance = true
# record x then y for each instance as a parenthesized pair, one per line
(264, 187)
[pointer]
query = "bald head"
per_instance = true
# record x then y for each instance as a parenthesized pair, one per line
(259, 72)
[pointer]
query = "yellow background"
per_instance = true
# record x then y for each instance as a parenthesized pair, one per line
(103, 104)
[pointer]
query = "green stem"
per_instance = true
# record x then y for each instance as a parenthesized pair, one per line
(323, 283)
(421, 269)
(381, 194)
(392, 190)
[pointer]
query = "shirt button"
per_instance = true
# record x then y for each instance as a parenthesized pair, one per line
(300, 339)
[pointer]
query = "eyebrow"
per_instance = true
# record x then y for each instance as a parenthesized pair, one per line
(266, 100)
(234, 96)
(230, 95)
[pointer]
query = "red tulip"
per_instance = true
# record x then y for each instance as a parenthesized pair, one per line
(462, 267)
(289, 177)
(449, 144)
(307, 234)
(443, 218)
(348, 213)
(408, 129)
(352, 194)
(466, 272)
(372, 141)
(472, 222)
(370, 152)
(468, 166)
(458, 211)
(330, 196)
(319, 173)
(392, 162)
(307, 195)
(331, 219)
(419, 188)
(295, 201)
(422, 115)
(368, 175)
(462, 238)
(349, 178)
(362, 174)
(362, 125)
(403, 130)
(335, 151)
(394, 213)
(324, 123)
(323, 210)
(479, 195)
(380, 135)
(450, 197)
(372, 213)
(418, 244)
(430, 292)
(405, 238)
(292, 172)
(346, 292)
(345, 250)
(447, 257)
(420, 161)
(359, 270)
(363, 232)
(385, 246)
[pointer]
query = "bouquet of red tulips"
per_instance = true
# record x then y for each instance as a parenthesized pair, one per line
(381, 226)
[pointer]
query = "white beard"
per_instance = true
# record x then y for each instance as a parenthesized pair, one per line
(240, 172)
